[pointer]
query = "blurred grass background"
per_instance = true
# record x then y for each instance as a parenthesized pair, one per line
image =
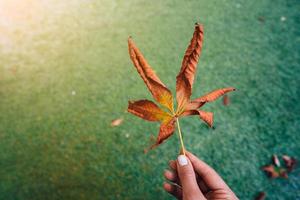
(65, 74)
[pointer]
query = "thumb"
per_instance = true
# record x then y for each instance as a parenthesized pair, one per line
(190, 188)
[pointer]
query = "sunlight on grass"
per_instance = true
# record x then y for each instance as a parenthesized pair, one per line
(65, 73)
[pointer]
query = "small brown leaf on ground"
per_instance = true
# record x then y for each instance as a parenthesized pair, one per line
(260, 196)
(275, 172)
(290, 162)
(116, 122)
(271, 171)
(226, 100)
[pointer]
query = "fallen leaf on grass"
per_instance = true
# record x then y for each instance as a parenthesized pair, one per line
(275, 169)
(116, 122)
(226, 100)
(148, 110)
(276, 160)
(260, 196)
(275, 172)
(290, 162)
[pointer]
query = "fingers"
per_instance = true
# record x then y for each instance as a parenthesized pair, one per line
(200, 182)
(187, 176)
(173, 190)
(209, 176)
(173, 165)
(171, 176)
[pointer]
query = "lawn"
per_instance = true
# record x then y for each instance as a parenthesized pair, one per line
(65, 73)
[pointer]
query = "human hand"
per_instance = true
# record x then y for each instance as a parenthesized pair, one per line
(192, 179)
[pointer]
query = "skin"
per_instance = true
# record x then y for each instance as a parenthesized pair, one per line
(196, 181)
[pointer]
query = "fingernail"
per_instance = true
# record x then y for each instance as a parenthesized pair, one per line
(182, 160)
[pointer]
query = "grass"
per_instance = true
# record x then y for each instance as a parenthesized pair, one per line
(55, 145)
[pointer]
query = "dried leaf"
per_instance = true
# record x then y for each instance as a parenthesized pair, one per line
(165, 131)
(185, 78)
(225, 100)
(150, 111)
(290, 162)
(275, 172)
(159, 91)
(260, 196)
(116, 122)
(205, 116)
(270, 170)
(212, 96)
(147, 110)
(276, 160)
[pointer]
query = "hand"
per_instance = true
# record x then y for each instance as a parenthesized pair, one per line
(192, 179)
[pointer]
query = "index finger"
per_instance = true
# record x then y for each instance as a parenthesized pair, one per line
(210, 177)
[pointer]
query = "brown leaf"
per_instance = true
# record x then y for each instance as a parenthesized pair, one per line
(158, 90)
(276, 160)
(260, 196)
(147, 110)
(185, 78)
(212, 96)
(270, 170)
(116, 122)
(225, 100)
(290, 162)
(283, 173)
(165, 131)
(205, 116)
(275, 172)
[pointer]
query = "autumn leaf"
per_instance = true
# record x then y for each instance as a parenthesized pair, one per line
(209, 97)
(290, 162)
(150, 111)
(147, 110)
(276, 160)
(260, 196)
(275, 172)
(116, 122)
(226, 100)
(159, 91)
(185, 78)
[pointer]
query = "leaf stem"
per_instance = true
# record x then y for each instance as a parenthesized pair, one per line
(180, 136)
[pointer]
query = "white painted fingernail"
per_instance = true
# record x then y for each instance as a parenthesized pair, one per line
(182, 160)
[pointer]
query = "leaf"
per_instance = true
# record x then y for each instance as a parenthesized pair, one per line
(205, 116)
(212, 96)
(275, 172)
(147, 110)
(276, 160)
(165, 131)
(225, 100)
(158, 90)
(260, 196)
(290, 162)
(116, 122)
(185, 78)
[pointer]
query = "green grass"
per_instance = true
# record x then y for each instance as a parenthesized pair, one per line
(55, 145)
